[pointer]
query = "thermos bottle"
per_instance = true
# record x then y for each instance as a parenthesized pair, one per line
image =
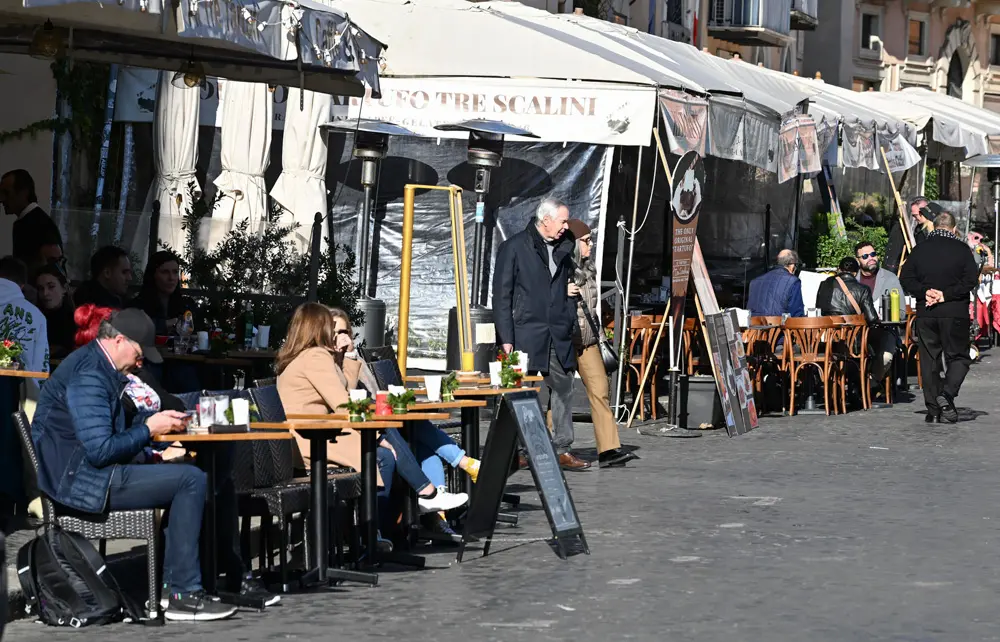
(894, 303)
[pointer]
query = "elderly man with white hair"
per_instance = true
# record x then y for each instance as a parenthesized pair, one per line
(533, 312)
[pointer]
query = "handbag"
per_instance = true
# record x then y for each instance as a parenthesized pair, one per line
(608, 356)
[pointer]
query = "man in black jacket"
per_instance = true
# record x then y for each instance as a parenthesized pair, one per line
(832, 299)
(35, 235)
(941, 273)
(921, 210)
(533, 313)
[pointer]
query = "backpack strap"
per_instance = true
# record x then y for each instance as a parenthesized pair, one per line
(26, 575)
(850, 297)
(129, 604)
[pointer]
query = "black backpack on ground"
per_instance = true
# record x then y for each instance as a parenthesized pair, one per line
(66, 582)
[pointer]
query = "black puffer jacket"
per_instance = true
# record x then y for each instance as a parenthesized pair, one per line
(832, 301)
(531, 309)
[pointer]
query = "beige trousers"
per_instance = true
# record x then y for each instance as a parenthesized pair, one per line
(594, 377)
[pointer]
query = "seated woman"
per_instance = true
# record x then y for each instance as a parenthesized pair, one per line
(316, 367)
(56, 304)
(145, 396)
(160, 296)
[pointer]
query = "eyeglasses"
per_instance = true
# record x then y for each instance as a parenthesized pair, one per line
(588, 240)
(344, 331)
(870, 255)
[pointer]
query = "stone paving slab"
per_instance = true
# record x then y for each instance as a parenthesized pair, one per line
(869, 526)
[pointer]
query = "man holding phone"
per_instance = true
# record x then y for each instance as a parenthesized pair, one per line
(86, 450)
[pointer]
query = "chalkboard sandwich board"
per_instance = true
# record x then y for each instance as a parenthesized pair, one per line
(519, 416)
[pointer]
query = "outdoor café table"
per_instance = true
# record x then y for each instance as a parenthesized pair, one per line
(207, 444)
(11, 464)
(318, 432)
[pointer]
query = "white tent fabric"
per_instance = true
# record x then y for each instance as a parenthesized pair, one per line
(175, 148)
(337, 55)
(301, 187)
(414, 51)
(246, 141)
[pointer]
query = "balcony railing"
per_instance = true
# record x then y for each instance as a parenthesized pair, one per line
(804, 15)
(751, 22)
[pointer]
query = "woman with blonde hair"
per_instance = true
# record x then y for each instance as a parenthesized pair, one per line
(588, 353)
(316, 367)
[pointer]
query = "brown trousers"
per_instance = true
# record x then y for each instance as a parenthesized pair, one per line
(595, 378)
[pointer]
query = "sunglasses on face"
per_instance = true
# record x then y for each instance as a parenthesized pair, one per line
(870, 255)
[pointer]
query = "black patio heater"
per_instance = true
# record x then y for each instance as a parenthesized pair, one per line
(371, 144)
(486, 140)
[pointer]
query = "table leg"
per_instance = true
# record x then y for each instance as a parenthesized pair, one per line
(470, 442)
(411, 514)
(369, 508)
(321, 573)
(211, 564)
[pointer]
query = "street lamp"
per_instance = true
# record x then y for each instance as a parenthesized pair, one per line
(371, 144)
(485, 154)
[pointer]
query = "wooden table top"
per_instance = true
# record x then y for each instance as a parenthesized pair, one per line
(418, 416)
(479, 381)
(481, 392)
(24, 374)
(448, 405)
(210, 437)
(294, 416)
(339, 424)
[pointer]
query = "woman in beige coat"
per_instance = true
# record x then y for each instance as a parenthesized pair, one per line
(588, 354)
(316, 367)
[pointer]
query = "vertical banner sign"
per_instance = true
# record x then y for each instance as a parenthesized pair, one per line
(687, 192)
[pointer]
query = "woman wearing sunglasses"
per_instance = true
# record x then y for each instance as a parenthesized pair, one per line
(316, 368)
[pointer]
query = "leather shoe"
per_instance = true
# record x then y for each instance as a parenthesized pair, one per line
(949, 412)
(932, 418)
(616, 457)
(569, 461)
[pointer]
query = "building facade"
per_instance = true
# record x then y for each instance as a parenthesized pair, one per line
(949, 46)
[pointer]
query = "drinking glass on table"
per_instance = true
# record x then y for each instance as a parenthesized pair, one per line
(206, 412)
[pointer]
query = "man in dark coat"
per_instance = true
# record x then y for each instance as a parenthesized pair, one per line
(35, 236)
(533, 313)
(921, 210)
(779, 290)
(941, 273)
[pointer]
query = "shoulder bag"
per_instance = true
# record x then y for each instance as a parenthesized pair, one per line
(608, 355)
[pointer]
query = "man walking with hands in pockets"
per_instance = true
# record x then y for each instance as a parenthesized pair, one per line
(533, 313)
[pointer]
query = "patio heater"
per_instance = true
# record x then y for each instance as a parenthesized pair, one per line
(486, 139)
(371, 144)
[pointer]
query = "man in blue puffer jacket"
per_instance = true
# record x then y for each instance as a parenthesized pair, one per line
(778, 291)
(86, 453)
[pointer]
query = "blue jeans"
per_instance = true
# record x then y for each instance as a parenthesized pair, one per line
(181, 487)
(432, 446)
(405, 463)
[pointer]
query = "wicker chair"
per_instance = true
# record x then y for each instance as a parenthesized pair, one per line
(119, 524)
(277, 493)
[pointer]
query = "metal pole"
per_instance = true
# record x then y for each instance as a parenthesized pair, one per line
(403, 333)
(317, 231)
(477, 248)
(628, 270)
(619, 317)
(996, 219)
(154, 226)
(795, 215)
(363, 255)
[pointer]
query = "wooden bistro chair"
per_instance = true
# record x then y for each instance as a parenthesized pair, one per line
(762, 353)
(641, 333)
(850, 350)
(808, 341)
(693, 345)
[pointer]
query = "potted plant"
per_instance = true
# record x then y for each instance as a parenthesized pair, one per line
(509, 377)
(448, 387)
(357, 410)
(10, 351)
(401, 403)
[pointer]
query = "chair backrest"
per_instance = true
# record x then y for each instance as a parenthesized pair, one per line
(809, 334)
(189, 399)
(386, 373)
(23, 427)
(279, 465)
(372, 355)
(263, 383)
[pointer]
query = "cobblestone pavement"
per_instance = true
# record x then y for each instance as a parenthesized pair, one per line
(870, 526)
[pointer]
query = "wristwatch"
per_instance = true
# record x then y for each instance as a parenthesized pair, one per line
(353, 354)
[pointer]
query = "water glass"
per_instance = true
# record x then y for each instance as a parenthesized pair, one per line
(241, 412)
(206, 411)
(495, 367)
(433, 385)
(221, 406)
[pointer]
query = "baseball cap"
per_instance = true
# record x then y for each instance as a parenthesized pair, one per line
(136, 325)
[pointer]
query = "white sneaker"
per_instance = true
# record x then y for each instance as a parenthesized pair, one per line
(443, 501)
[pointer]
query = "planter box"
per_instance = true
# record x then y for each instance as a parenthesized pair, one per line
(699, 403)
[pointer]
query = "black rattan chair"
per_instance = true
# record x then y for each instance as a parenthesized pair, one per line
(119, 524)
